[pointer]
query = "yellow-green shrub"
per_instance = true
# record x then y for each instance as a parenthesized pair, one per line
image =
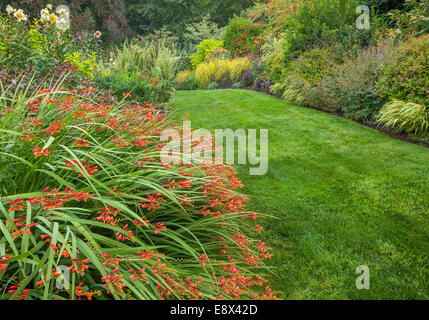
(85, 63)
(401, 116)
(238, 67)
(182, 77)
(222, 69)
(205, 74)
(205, 48)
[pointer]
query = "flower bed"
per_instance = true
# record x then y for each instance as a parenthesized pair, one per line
(89, 211)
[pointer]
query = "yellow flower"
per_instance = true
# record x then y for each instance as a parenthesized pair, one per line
(53, 17)
(19, 15)
(49, 6)
(10, 10)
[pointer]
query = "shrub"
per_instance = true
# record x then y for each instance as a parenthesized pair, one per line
(85, 65)
(161, 37)
(316, 23)
(407, 78)
(273, 59)
(140, 88)
(84, 190)
(239, 67)
(219, 54)
(221, 71)
(236, 85)
(182, 77)
(406, 117)
(65, 75)
(190, 83)
(204, 29)
(213, 85)
(414, 20)
(204, 49)
(313, 65)
(322, 79)
(301, 84)
(41, 45)
(145, 69)
(294, 96)
(241, 36)
(362, 105)
(274, 14)
(205, 74)
(352, 86)
(164, 71)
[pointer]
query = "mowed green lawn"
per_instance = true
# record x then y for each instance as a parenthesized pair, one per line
(345, 195)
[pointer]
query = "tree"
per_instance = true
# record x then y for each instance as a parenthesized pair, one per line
(145, 16)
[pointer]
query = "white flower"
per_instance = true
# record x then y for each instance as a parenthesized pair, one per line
(10, 10)
(19, 15)
(97, 34)
(44, 14)
(49, 6)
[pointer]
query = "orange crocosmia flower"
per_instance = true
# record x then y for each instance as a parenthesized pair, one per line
(160, 227)
(203, 260)
(55, 127)
(82, 142)
(16, 205)
(39, 152)
(30, 137)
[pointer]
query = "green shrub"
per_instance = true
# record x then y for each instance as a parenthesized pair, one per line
(274, 14)
(204, 49)
(144, 68)
(140, 89)
(407, 78)
(213, 85)
(289, 93)
(204, 29)
(352, 86)
(317, 22)
(313, 65)
(414, 20)
(302, 78)
(236, 85)
(406, 117)
(84, 64)
(190, 83)
(240, 36)
(362, 105)
(273, 59)
(323, 79)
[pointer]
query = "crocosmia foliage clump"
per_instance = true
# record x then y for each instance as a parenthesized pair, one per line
(89, 211)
